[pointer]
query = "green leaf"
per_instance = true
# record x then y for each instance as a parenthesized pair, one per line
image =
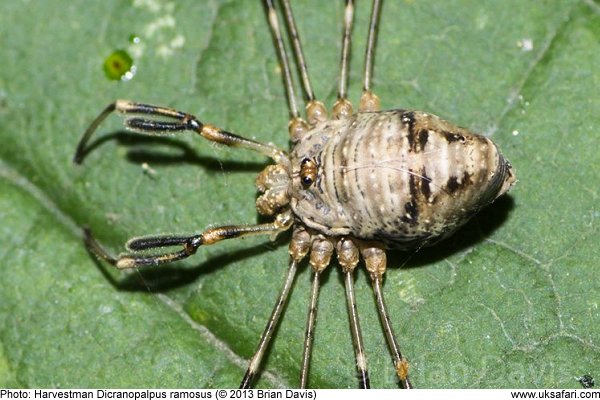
(510, 301)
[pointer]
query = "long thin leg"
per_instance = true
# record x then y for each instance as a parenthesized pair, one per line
(271, 325)
(167, 120)
(190, 244)
(310, 329)
(376, 264)
(284, 61)
(357, 341)
(343, 107)
(315, 110)
(400, 363)
(297, 47)
(369, 101)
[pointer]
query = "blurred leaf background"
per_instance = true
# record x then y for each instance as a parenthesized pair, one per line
(510, 301)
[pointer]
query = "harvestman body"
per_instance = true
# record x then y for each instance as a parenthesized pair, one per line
(354, 185)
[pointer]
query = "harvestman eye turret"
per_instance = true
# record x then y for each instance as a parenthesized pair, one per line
(353, 184)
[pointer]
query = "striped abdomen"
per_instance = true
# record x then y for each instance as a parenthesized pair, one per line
(401, 177)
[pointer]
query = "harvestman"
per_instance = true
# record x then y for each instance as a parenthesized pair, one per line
(354, 184)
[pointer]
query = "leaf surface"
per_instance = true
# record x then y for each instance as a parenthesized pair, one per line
(510, 301)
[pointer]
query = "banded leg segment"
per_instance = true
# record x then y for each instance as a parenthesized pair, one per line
(321, 251)
(369, 101)
(357, 340)
(297, 49)
(267, 334)
(297, 126)
(299, 248)
(342, 107)
(400, 363)
(348, 257)
(159, 120)
(315, 110)
(309, 334)
(189, 244)
(376, 264)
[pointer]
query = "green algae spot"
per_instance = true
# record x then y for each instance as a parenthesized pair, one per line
(134, 39)
(119, 66)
